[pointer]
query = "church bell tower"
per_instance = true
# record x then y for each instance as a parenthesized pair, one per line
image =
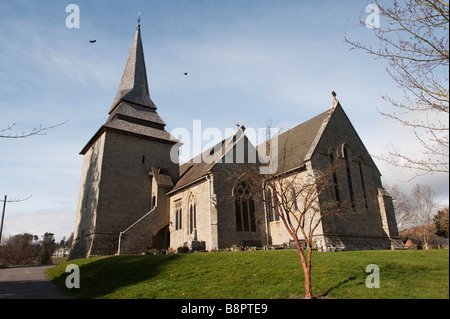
(117, 183)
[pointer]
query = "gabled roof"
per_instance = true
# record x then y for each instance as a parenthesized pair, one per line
(200, 166)
(296, 145)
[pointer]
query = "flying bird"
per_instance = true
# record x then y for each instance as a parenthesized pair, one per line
(92, 41)
(185, 73)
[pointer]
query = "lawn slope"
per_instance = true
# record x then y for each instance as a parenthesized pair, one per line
(259, 274)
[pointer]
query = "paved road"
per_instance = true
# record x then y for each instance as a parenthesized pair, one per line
(29, 282)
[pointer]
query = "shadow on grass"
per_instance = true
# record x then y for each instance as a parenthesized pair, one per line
(326, 293)
(101, 277)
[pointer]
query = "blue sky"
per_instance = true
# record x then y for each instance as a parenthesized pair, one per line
(248, 62)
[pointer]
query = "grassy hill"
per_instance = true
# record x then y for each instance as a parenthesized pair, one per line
(259, 274)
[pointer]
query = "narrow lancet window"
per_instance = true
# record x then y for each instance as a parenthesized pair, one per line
(192, 216)
(363, 184)
(335, 180)
(349, 177)
(178, 215)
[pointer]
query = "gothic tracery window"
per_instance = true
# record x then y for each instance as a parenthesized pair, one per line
(244, 208)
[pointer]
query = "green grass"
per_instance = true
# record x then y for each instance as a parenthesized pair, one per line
(260, 274)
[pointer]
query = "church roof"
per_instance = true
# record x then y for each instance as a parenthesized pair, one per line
(200, 166)
(296, 145)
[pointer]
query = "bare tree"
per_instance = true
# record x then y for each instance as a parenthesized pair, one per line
(18, 250)
(300, 199)
(7, 132)
(424, 206)
(413, 37)
(402, 206)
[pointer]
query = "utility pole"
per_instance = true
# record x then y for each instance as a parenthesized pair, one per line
(3, 216)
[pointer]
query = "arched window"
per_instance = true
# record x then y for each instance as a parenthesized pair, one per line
(244, 206)
(360, 164)
(349, 175)
(178, 215)
(192, 215)
(335, 180)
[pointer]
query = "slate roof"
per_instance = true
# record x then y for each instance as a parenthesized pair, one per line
(296, 145)
(197, 168)
(161, 179)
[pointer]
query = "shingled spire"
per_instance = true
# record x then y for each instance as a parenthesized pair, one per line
(134, 86)
(133, 111)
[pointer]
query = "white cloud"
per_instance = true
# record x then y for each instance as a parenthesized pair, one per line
(247, 63)
(61, 222)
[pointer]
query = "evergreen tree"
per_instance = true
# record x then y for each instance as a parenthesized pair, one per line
(441, 222)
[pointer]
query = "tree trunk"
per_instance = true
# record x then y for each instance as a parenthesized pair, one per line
(308, 288)
(306, 265)
(308, 285)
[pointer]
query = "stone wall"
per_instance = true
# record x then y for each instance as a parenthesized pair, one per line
(216, 217)
(123, 188)
(226, 177)
(88, 200)
(371, 223)
(197, 194)
(363, 225)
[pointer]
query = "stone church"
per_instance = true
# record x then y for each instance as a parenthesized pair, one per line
(134, 196)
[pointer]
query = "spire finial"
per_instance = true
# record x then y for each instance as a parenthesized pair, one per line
(335, 101)
(139, 18)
